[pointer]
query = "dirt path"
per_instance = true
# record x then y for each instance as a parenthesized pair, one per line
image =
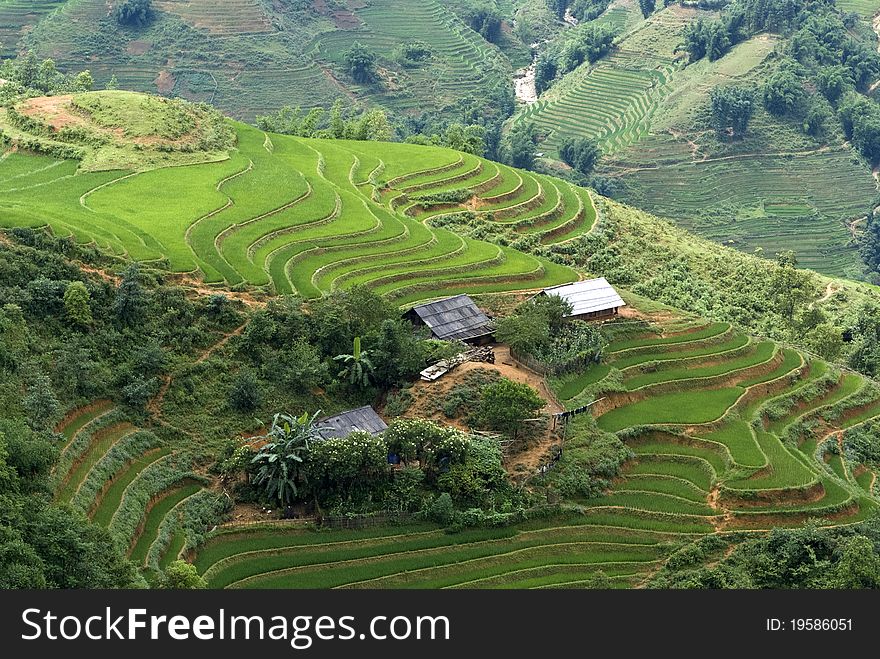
(622, 170)
(830, 290)
(155, 405)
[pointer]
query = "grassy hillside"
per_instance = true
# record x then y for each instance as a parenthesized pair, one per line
(774, 188)
(302, 215)
(249, 57)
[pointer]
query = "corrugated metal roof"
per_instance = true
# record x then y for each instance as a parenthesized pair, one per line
(342, 425)
(588, 296)
(455, 318)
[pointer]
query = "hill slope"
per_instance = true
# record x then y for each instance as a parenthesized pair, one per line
(303, 215)
(250, 57)
(775, 187)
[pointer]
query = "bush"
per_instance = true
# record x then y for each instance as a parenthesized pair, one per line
(441, 509)
(245, 394)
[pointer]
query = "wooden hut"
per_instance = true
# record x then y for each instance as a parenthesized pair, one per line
(453, 319)
(362, 419)
(591, 299)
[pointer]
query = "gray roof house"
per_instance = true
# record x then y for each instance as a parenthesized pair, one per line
(589, 299)
(342, 425)
(454, 318)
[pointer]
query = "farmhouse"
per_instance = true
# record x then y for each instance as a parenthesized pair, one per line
(362, 419)
(454, 318)
(591, 299)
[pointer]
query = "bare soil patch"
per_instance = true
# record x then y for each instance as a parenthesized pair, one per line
(165, 82)
(138, 47)
(345, 20)
(54, 111)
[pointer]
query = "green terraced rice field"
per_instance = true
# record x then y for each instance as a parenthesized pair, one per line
(673, 408)
(287, 213)
(154, 518)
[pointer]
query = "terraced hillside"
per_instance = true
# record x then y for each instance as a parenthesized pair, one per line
(304, 215)
(864, 8)
(773, 188)
(126, 480)
(727, 433)
(19, 16)
(744, 431)
(251, 58)
(613, 100)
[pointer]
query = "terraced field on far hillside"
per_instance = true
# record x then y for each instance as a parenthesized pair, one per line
(614, 99)
(308, 216)
(251, 57)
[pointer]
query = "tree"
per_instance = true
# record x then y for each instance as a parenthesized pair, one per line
(278, 468)
(361, 63)
(647, 7)
(789, 287)
(859, 565)
(505, 404)
(131, 298)
(522, 146)
(524, 333)
(717, 41)
(357, 368)
(470, 139)
(40, 404)
(484, 19)
(133, 12)
(580, 153)
(825, 340)
(832, 81)
(84, 82)
(76, 304)
(113, 83)
(782, 92)
(732, 108)
(817, 116)
(245, 394)
(181, 575)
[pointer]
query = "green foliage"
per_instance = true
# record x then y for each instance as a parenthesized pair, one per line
(732, 108)
(130, 298)
(245, 394)
(181, 575)
(133, 12)
(278, 468)
(412, 53)
(783, 92)
(506, 404)
(358, 367)
(580, 153)
(76, 304)
(808, 557)
(361, 63)
(441, 509)
(347, 467)
(398, 402)
(40, 404)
